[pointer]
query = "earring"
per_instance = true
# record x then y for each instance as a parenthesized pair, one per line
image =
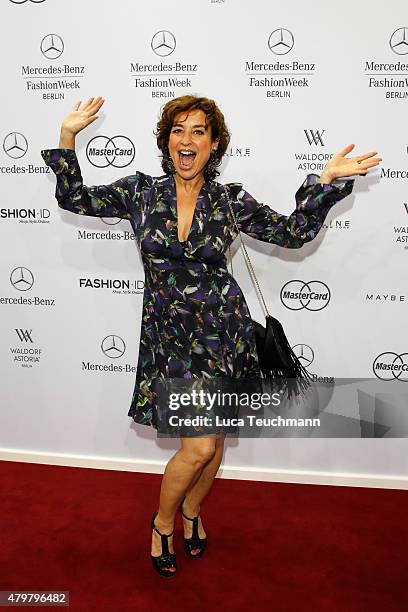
(167, 164)
(212, 163)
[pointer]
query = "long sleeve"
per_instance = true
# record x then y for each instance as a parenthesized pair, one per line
(313, 202)
(114, 200)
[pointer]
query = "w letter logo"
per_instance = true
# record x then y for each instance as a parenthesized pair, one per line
(314, 137)
(24, 335)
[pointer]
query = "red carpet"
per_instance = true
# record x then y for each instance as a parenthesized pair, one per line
(280, 547)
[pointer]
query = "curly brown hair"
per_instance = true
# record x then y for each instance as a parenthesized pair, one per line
(214, 117)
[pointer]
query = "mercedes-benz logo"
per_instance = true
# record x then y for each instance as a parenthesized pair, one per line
(52, 46)
(163, 43)
(313, 295)
(113, 346)
(22, 278)
(118, 151)
(15, 145)
(304, 353)
(281, 41)
(389, 366)
(399, 42)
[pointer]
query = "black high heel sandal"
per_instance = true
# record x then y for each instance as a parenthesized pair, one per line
(163, 562)
(195, 541)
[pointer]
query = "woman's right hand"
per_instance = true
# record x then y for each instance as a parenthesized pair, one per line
(81, 116)
(78, 119)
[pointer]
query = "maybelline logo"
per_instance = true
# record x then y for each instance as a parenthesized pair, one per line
(162, 79)
(112, 347)
(25, 354)
(298, 295)
(43, 78)
(117, 285)
(271, 75)
(238, 152)
(305, 354)
(395, 86)
(22, 279)
(391, 366)
(15, 146)
(385, 297)
(26, 215)
(117, 151)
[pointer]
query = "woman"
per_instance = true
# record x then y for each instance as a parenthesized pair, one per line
(195, 321)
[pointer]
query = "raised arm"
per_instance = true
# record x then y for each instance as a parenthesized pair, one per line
(313, 202)
(113, 200)
(314, 198)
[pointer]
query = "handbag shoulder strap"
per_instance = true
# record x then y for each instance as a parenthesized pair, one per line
(248, 261)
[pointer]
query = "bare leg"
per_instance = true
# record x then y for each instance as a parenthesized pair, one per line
(180, 472)
(199, 488)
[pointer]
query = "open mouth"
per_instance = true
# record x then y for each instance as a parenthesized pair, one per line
(186, 158)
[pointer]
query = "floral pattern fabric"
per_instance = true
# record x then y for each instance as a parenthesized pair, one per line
(195, 320)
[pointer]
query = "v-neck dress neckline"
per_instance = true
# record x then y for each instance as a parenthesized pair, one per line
(198, 205)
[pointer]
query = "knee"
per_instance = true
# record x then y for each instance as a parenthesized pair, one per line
(202, 452)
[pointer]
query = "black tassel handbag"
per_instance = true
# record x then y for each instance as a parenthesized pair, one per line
(277, 361)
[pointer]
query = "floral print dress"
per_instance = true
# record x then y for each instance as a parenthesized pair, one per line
(195, 320)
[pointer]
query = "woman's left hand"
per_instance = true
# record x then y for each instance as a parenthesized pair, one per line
(340, 165)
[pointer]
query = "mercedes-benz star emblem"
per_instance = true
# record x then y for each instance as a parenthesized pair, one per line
(399, 42)
(304, 353)
(52, 46)
(281, 41)
(163, 43)
(15, 145)
(22, 278)
(113, 346)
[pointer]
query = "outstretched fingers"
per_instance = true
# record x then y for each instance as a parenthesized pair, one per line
(95, 106)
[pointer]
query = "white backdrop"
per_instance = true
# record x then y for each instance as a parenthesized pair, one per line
(296, 85)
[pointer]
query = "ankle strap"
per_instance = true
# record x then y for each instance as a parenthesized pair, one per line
(166, 535)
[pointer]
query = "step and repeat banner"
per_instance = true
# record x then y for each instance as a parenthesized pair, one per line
(296, 85)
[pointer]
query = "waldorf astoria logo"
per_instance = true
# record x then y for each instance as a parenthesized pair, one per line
(279, 78)
(25, 353)
(300, 295)
(117, 151)
(164, 78)
(387, 75)
(53, 78)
